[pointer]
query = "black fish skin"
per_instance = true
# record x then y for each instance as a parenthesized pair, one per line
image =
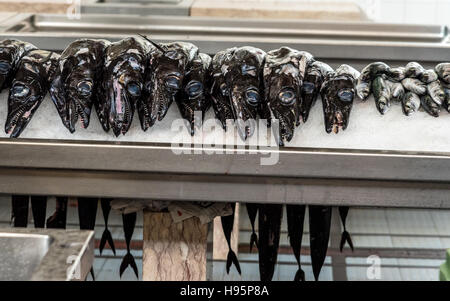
(343, 212)
(269, 227)
(167, 66)
(59, 217)
(39, 209)
(319, 229)
(227, 227)
(106, 236)
(295, 219)
(28, 88)
(11, 51)
(87, 212)
(218, 89)
(75, 86)
(284, 70)
(19, 216)
(252, 210)
(129, 222)
(122, 83)
(246, 89)
(193, 97)
(337, 94)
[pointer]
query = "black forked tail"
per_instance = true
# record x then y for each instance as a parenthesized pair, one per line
(232, 258)
(343, 212)
(300, 275)
(106, 236)
(128, 260)
(129, 222)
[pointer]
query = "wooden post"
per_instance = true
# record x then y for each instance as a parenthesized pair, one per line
(220, 247)
(174, 252)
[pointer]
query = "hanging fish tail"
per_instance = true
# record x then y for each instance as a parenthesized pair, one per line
(232, 259)
(227, 227)
(106, 236)
(128, 260)
(343, 212)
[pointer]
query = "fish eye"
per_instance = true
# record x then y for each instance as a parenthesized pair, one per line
(4, 67)
(194, 88)
(287, 97)
(308, 87)
(252, 97)
(134, 89)
(173, 82)
(84, 88)
(345, 95)
(20, 91)
(224, 90)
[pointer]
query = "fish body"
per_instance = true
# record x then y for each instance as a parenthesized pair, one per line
(194, 95)
(252, 210)
(295, 220)
(436, 91)
(337, 98)
(11, 51)
(429, 76)
(129, 222)
(410, 103)
(396, 74)
(246, 91)
(284, 71)
(19, 214)
(59, 217)
(414, 69)
(345, 237)
(77, 81)
(397, 92)
(227, 227)
(447, 98)
(39, 209)
(414, 85)
(369, 73)
(381, 94)
(122, 83)
(167, 67)
(319, 235)
(269, 226)
(443, 71)
(106, 236)
(28, 88)
(429, 105)
(218, 88)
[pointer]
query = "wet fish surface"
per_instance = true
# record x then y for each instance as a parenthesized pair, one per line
(410, 103)
(227, 227)
(28, 88)
(129, 222)
(319, 229)
(295, 220)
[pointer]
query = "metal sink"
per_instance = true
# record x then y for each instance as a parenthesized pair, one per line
(30, 254)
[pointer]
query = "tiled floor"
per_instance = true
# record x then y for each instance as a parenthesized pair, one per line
(418, 237)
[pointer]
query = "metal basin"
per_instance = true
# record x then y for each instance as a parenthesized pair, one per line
(21, 254)
(50, 254)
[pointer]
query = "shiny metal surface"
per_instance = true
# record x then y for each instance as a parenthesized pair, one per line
(21, 254)
(139, 7)
(45, 254)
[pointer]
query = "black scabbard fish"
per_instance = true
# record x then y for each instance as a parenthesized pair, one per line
(122, 82)
(87, 213)
(345, 238)
(252, 210)
(59, 217)
(227, 227)
(218, 89)
(19, 214)
(295, 219)
(106, 236)
(284, 70)
(129, 222)
(167, 66)
(74, 88)
(269, 227)
(319, 235)
(28, 88)
(39, 209)
(193, 96)
(246, 89)
(337, 94)
(315, 73)
(11, 51)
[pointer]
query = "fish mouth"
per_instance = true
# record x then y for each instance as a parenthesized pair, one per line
(121, 110)
(245, 119)
(382, 105)
(17, 120)
(286, 126)
(160, 104)
(305, 106)
(336, 121)
(193, 115)
(58, 97)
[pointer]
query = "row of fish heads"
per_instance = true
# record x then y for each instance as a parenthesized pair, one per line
(413, 86)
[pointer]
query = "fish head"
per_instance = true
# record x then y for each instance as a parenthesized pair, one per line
(7, 54)
(165, 78)
(193, 95)
(337, 93)
(245, 83)
(123, 90)
(25, 95)
(310, 91)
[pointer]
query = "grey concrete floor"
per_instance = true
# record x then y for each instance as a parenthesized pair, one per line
(409, 242)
